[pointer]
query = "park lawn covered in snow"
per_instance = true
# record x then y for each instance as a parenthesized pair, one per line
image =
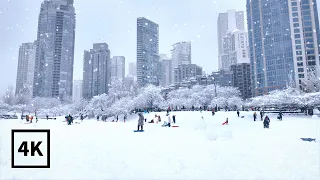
(201, 148)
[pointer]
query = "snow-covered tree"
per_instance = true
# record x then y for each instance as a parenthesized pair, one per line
(99, 105)
(117, 90)
(149, 97)
(311, 83)
(9, 98)
(24, 96)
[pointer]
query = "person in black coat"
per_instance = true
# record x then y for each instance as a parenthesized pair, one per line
(266, 122)
(174, 118)
(261, 115)
(280, 116)
(238, 113)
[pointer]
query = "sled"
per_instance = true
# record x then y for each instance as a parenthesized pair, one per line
(138, 130)
(27, 123)
(308, 139)
(175, 126)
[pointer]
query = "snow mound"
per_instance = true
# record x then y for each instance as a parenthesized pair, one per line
(315, 116)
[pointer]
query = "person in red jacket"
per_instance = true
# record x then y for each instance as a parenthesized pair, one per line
(226, 122)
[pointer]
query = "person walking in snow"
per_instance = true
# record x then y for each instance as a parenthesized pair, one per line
(261, 115)
(254, 116)
(266, 122)
(174, 118)
(213, 112)
(140, 121)
(280, 116)
(124, 118)
(81, 117)
(238, 113)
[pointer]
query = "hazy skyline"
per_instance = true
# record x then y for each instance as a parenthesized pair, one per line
(114, 22)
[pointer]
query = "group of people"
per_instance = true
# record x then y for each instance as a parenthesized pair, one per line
(30, 118)
(157, 119)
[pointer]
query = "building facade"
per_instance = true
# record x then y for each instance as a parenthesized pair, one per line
(241, 79)
(282, 46)
(184, 72)
(26, 65)
(118, 65)
(53, 75)
(235, 49)
(147, 52)
(222, 78)
(77, 91)
(305, 32)
(96, 71)
(133, 69)
(181, 53)
(228, 22)
(166, 73)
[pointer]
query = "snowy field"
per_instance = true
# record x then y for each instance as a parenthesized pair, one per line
(198, 149)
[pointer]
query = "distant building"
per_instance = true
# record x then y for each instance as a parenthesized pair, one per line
(147, 52)
(228, 22)
(128, 82)
(53, 76)
(235, 49)
(166, 73)
(241, 78)
(118, 64)
(133, 69)
(77, 91)
(96, 71)
(181, 53)
(222, 78)
(26, 65)
(184, 72)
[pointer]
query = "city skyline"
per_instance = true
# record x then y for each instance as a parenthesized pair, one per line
(187, 24)
(13, 24)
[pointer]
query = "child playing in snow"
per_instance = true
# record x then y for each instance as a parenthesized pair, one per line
(226, 122)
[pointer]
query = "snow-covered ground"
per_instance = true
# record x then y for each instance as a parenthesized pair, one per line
(201, 148)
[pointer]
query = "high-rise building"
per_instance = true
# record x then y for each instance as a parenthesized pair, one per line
(228, 22)
(133, 69)
(147, 52)
(166, 73)
(181, 53)
(96, 71)
(118, 65)
(241, 79)
(77, 91)
(222, 78)
(26, 64)
(235, 49)
(284, 46)
(186, 71)
(55, 49)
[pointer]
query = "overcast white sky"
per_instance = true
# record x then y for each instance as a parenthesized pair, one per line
(114, 22)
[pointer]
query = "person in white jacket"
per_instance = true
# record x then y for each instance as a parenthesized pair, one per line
(169, 120)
